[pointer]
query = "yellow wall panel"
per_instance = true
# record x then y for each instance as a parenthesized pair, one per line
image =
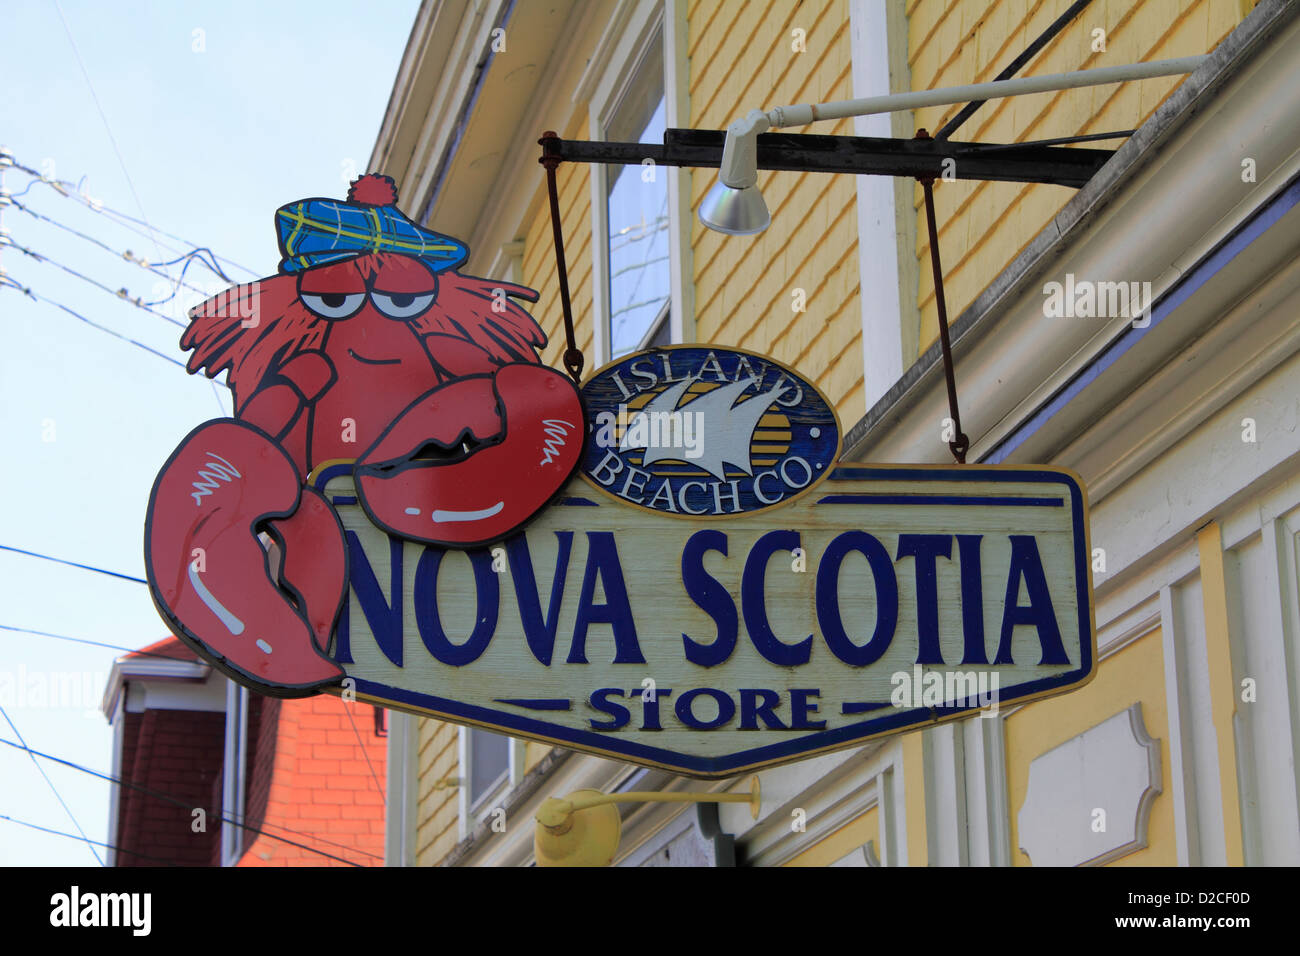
(842, 842)
(1133, 674)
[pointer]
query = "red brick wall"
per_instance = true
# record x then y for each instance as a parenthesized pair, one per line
(316, 782)
(263, 730)
(177, 753)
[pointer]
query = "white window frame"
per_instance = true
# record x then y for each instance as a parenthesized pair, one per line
(470, 815)
(634, 25)
(401, 819)
(887, 265)
(234, 784)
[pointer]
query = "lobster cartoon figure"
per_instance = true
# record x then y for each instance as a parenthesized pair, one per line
(368, 347)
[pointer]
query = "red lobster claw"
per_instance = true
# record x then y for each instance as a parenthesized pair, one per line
(265, 618)
(471, 461)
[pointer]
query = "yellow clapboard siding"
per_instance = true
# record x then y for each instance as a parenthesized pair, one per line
(769, 291)
(984, 226)
(744, 287)
(436, 762)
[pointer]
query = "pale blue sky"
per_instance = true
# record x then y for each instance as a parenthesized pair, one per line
(283, 102)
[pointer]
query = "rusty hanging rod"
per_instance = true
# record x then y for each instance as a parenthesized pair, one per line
(959, 444)
(550, 159)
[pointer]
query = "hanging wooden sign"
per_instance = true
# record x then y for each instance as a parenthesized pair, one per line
(393, 512)
(889, 598)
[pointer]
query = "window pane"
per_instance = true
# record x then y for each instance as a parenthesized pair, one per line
(638, 213)
(489, 758)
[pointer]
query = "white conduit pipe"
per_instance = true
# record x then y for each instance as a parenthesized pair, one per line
(739, 159)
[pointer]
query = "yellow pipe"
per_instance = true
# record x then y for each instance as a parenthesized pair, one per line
(553, 813)
(584, 828)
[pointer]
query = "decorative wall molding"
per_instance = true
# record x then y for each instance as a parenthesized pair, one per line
(1113, 768)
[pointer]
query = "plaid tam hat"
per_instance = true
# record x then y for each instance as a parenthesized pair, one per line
(317, 232)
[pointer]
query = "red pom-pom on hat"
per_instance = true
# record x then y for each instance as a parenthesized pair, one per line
(373, 189)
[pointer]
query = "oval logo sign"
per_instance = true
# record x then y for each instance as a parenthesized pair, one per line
(701, 431)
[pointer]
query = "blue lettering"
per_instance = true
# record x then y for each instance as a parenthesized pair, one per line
(828, 598)
(801, 707)
(603, 565)
(972, 599)
(600, 701)
(711, 597)
(726, 709)
(1026, 564)
(650, 707)
(488, 599)
(926, 549)
(752, 586)
(385, 620)
(539, 634)
(756, 705)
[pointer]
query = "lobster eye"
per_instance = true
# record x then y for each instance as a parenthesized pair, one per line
(333, 305)
(401, 305)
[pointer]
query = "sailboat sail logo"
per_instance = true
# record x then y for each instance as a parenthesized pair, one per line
(710, 430)
(696, 431)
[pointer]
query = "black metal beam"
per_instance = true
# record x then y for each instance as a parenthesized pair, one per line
(1011, 163)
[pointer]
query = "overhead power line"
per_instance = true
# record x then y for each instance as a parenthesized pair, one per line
(121, 294)
(171, 657)
(126, 254)
(70, 190)
(89, 643)
(84, 567)
(102, 115)
(57, 796)
(188, 805)
(347, 712)
(31, 294)
(73, 836)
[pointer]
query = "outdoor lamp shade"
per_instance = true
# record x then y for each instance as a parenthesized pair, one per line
(737, 212)
(584, 837)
